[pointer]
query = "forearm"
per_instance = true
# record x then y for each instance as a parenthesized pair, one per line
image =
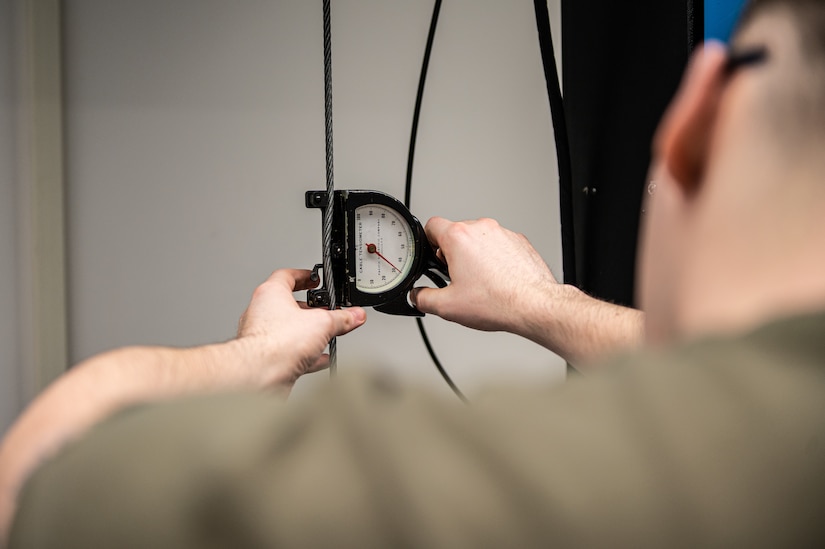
(94, 389)
(580, 328)
(278, 342)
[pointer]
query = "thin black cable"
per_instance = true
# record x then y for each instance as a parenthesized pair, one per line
(408, 187)
(562, 140)
(438, 365)
(422, 80)
(551, 76)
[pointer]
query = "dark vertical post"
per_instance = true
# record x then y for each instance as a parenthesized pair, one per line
(622, 64)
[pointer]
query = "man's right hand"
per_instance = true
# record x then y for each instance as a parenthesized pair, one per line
(496, 276)
(499, 282)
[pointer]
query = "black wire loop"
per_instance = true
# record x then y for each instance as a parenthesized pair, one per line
(408, 187)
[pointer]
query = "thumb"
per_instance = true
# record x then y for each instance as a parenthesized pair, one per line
(426, 300)
(346, 320)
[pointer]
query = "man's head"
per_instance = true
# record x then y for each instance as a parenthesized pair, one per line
(799, 100)
(735, 233)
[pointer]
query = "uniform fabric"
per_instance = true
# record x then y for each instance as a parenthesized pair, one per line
(717, 443)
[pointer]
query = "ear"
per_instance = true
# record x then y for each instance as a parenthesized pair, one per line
(682, 142)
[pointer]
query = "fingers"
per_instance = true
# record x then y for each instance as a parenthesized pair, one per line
(426, 300)
(294, 279)
(435, 229)
(321, 364)
(346, 320)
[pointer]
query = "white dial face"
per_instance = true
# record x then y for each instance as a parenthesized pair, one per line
(384, 248)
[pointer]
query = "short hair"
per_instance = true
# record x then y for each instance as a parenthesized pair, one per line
(808, 19)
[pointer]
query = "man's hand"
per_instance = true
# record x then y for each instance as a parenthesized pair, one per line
(496, 276)
(292, 335)
(501, 283)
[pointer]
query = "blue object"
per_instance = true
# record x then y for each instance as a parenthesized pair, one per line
(721, 17)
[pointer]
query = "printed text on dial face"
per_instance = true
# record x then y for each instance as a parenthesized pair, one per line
(384, 248)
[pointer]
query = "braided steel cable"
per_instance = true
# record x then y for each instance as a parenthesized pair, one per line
(328, 211)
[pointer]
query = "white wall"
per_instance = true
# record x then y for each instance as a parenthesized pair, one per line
(195, 126)
(10, 386)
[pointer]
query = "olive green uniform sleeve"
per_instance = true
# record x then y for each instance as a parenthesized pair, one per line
(716, 444)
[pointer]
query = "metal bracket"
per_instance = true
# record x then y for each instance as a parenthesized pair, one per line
(319, 297)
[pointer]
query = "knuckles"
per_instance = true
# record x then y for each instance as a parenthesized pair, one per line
(488, 223)
(262, 291)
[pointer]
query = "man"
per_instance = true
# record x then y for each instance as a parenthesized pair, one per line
(712, 436)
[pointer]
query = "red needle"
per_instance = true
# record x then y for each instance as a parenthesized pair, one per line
(371, 248)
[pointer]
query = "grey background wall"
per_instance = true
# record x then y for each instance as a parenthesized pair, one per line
(10, 386)
(193, 128)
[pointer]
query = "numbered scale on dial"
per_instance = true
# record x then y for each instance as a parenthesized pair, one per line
(379, 250)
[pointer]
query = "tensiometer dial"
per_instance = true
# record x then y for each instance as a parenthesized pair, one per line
(384, 248)
(378, 251)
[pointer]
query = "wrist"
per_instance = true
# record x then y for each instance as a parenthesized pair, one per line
(258, 362)
(582, 329)
(552, 315)
(241, 363)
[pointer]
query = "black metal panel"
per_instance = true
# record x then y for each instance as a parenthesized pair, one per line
(622, 64)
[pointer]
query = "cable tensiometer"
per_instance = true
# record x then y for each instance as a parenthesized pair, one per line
(378, 252)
